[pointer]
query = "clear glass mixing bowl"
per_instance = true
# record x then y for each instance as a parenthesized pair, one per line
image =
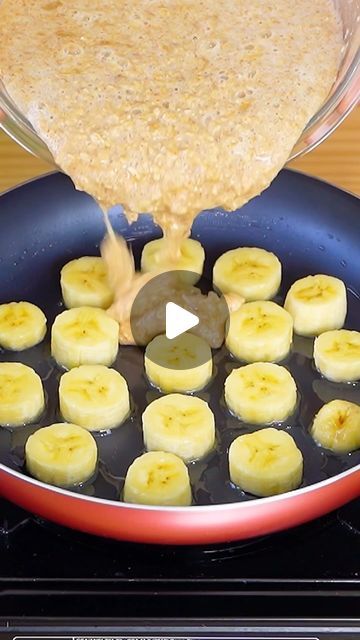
(343, 96)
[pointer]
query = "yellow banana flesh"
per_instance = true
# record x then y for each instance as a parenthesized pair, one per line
(183, 425)
(158, 478)
(266, 462)
(62, 454)
(261, 393)
(22, 325)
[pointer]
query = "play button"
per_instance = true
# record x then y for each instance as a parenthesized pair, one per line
(178, 320)
(169, 305)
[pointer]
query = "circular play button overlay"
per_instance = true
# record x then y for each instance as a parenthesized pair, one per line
(170, 306)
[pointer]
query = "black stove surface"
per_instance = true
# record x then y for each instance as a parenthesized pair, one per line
(326, 549)
(49, 572)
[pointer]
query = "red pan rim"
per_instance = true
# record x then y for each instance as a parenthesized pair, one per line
(192, 509)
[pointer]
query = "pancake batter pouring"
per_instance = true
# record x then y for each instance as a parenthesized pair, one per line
(169, 106)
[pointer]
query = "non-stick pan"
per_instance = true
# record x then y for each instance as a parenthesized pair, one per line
(313, 228)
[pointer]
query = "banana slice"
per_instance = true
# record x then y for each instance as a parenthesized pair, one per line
(337, 355)
(337, 426)
(260, 331)
(156, 257)
(183, 425)
(172, 365)
(317, 304)
(94, 397)
(62, 454)
(253, 273)
(22, 325)
(265, 463)
(84, 336)
(261, 393)
(21, 394)
(158, 478)
(84, 283)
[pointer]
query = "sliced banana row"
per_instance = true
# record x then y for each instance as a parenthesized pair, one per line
(264, 463)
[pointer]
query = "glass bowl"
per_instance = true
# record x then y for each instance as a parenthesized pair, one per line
(343, 97)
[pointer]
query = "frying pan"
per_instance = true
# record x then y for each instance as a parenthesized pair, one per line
(313, 228)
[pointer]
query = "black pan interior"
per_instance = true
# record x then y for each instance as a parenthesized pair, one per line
(311, 226)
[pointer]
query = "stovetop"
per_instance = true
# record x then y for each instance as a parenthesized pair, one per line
(49, 572)
(34, 549)
(304, 582)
